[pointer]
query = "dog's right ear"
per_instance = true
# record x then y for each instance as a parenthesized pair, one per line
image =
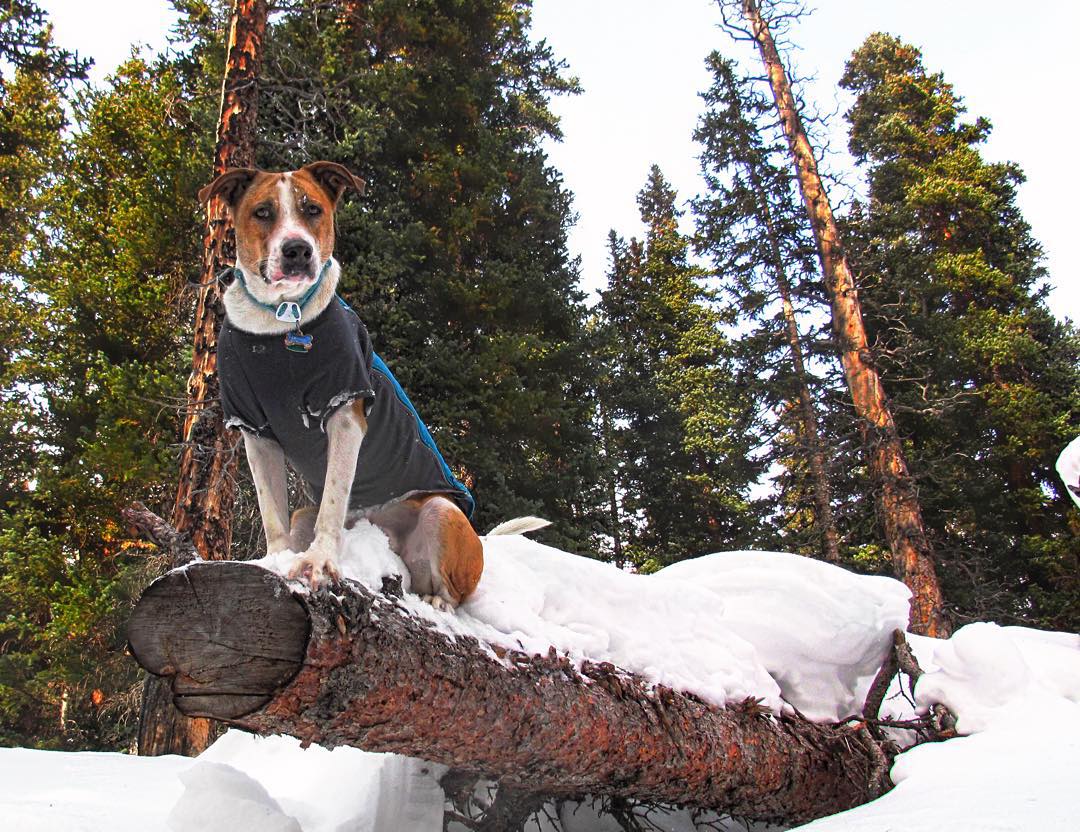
(230, 186)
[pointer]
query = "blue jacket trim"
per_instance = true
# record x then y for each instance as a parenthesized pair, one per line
(379, 366)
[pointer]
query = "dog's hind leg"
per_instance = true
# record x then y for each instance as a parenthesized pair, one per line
(302, 527)
(445, 543)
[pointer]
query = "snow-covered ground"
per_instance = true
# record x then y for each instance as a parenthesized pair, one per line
(792, 631)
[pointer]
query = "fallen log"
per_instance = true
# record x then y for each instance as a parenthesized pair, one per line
(241, 644)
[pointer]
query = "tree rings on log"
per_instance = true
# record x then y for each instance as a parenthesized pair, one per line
(228, 633)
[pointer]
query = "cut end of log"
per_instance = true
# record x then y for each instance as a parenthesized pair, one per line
(228, 645)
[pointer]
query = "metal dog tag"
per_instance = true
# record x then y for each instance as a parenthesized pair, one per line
(298, 342)
(289, 312)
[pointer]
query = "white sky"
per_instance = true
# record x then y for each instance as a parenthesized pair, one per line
(641, 63)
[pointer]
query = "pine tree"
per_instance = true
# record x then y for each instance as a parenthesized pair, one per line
(36, 79)
(680, 434)
(456, 258)
(986, 382)
(95, 373)
(751, 226)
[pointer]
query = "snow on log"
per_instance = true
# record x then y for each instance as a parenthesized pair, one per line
(241, 644)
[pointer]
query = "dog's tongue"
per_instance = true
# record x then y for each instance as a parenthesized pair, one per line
(290, 278)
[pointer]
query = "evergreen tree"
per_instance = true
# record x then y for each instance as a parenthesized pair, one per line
(679, 431)
(986, 382)
(456, 258)
(35, 78)
(96, 371)
(751, 225)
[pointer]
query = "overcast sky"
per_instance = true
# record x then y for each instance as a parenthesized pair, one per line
(641, 63)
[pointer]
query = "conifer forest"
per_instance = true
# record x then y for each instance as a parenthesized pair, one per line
(877, 382)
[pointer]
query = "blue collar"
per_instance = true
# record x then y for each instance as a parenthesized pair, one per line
(289, 311)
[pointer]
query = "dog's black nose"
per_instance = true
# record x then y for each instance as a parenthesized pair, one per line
(296, 253)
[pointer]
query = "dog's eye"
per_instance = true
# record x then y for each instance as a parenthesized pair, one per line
(312, 210)
(262, 212)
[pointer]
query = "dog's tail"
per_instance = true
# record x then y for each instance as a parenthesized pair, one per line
(520, 525)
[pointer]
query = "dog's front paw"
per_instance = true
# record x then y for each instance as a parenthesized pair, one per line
(317, 567)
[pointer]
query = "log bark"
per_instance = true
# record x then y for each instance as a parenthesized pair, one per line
(897, 501)
(354, 667)
(203, 508)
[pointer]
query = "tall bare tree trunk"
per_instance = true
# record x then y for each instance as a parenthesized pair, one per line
(898, 505)
(206, 489)
(823, 515)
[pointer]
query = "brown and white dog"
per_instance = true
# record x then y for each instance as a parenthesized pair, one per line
(284, 234)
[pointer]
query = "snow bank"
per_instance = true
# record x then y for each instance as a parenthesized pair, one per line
(241, 782)
(726, 627)
(50, 791)
(230, 785)
(822, 632)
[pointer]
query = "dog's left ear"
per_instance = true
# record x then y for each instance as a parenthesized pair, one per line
(335, 179)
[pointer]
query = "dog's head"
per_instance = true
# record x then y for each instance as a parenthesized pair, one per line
(284, 223)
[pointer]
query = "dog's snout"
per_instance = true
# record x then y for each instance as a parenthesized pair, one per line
(296, 253)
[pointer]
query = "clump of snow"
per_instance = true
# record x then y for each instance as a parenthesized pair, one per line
(985, 674)
(1068, 468)
(671, 633)
(822, 632)
(314, 790)
(365, 556)
(219, 798)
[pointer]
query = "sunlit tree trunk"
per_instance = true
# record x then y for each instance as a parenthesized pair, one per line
(897, 502)
(204, 498)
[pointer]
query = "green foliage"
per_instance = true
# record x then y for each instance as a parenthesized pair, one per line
(27, 52)
(752, 226)
(985, 383)
(677, 429)
(92, 390)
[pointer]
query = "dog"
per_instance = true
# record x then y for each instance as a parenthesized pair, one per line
(299, 378)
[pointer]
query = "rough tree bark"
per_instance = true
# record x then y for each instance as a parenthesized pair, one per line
(204, 497)
(898, 505)
(353, 667)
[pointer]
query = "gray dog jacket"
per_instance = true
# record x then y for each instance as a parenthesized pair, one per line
(288, 397)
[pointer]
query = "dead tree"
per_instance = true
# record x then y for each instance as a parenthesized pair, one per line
(816, 459)
(897, 501)
(241, 644)
(205, 491)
